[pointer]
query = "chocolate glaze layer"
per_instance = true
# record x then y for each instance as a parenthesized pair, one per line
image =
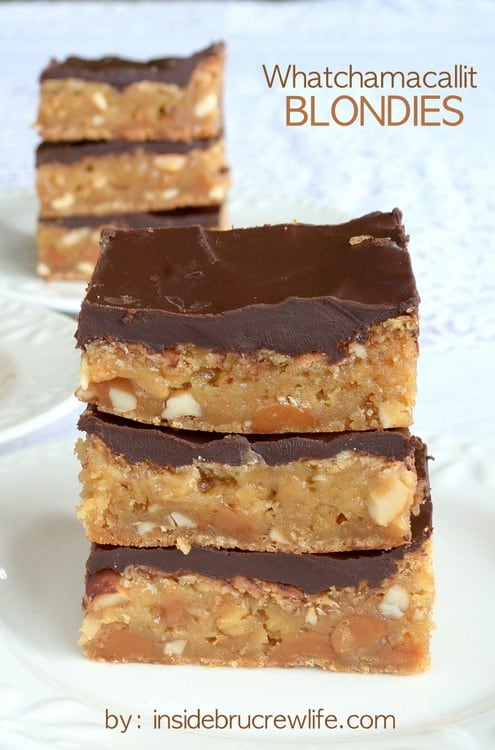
(119, 72)
(171, 448)
(206, 217)
(312, 573)
(71, 153)
(290, 288)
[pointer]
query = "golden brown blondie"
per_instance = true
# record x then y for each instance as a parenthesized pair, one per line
(144, 486)
(164, 99)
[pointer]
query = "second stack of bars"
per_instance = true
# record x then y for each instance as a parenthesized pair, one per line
(126, 144)
(250, 488)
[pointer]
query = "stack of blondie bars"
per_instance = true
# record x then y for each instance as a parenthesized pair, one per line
(249, 485)
(250, 488)
(126, 144)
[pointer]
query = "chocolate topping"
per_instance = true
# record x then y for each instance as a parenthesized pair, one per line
(293, 288)
(206, 217)
(119, 73)
(166, 447)
(70, 153)
(312, 573)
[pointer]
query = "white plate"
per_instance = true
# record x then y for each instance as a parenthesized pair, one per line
(50, 696)
(38, 367)
(18, 251)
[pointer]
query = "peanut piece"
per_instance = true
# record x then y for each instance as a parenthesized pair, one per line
(311, 616)
(359, 238)
(99, 181)
(74, 237)
(395, 603)
(43, 269)
(388, 498)
(64, 201)
(358, 350)
(206, 105)
(109, 600)
(217, 193)
(170, 194)
(90, 627)
(181, 405)
(170, 162)
(183, 545)
(84, 373)
(99, 101)
(144, 527)
(394, 414)
(175, 648)
(277, 536)
(122, 401)
(233, 622)
(179, 519)
(85, 267)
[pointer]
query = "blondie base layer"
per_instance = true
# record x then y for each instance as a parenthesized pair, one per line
(76, 179)
(145, 486)
(362, 612)
(162, 99)
(68, 247)
(288, 328)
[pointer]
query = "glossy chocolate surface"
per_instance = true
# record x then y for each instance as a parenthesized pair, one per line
(289, 288)
(119, 72)
(172, 448)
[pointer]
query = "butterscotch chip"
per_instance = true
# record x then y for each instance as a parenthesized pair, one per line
(270, 329)
(314, 493)
(221, 607)
(162, 99)
(273, 419)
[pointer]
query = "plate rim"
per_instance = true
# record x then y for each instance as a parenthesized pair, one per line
(37, 314)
